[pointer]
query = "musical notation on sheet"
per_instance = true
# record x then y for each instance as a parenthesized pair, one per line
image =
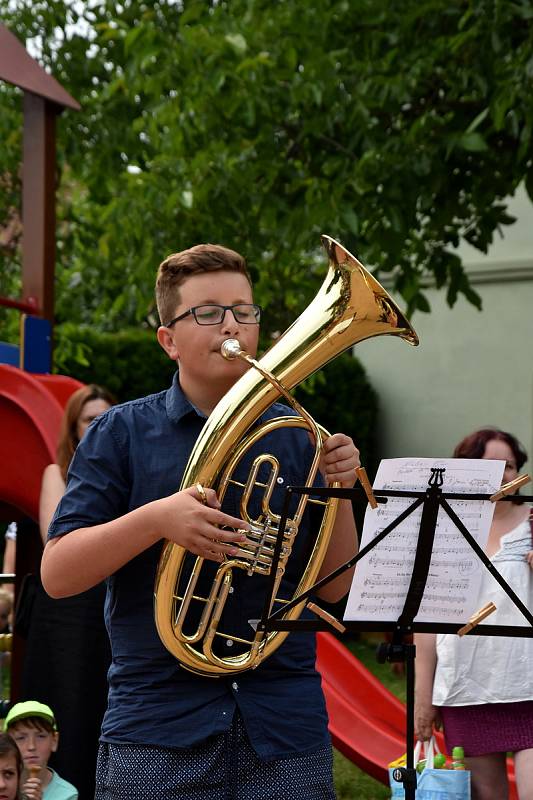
(383, 576)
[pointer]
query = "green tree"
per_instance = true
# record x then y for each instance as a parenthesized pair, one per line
(398, 128)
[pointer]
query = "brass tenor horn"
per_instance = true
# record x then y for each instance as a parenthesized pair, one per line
(350, 306)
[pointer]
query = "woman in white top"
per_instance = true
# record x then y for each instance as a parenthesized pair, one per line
(480, 688)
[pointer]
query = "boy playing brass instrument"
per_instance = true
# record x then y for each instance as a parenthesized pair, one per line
(168, 733)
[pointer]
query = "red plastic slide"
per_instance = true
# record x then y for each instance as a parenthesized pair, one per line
(31, 408)
(366, 722)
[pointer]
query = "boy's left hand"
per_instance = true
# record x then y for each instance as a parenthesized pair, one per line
(340, 460)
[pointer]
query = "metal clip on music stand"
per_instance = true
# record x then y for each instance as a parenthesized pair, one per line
(400, 649)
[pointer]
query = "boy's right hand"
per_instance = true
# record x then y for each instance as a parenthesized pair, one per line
(185, 519)
(32, 789)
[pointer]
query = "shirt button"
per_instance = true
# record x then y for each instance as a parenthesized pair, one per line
(280, 480)
(235, 686)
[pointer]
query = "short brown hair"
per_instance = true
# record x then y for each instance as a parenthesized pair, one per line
(8, 745)
(37, 723)
(68, 437)
(176, 268)
(473, 445)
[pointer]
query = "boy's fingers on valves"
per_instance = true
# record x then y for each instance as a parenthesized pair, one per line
(202, 528)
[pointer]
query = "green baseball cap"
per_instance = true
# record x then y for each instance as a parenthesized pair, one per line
(29, 708)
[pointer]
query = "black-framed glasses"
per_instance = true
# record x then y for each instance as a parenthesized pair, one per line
(213, 314)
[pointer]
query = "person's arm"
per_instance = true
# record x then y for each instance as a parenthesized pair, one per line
(341, 457)
(75, 562)
(426, 714)
(10, 555)
(52, 489)
(95, 532)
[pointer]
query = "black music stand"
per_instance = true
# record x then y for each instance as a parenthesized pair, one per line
(400, 649)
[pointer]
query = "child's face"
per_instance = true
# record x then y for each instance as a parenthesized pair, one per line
(8, 777)
(35, 744)
(197, 347)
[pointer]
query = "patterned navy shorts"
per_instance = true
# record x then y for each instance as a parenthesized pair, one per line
(224, 767)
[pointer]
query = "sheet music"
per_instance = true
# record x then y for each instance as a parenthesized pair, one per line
(382, 577)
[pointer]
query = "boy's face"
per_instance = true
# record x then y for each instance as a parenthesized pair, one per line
(35, 744)
(195, 347)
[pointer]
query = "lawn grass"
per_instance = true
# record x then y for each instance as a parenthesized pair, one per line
(351, 783)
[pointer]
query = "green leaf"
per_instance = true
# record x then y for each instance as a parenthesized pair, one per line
(478, 120)
(132, 37)
(473, 142)
(238, 42)
(422, 303)
(500, 105)
(351, 220)
(187, 198)
(473, 297)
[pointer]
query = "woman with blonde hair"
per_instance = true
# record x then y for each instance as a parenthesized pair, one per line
(82, 407)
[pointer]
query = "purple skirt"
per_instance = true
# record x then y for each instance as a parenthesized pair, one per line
(490, 728)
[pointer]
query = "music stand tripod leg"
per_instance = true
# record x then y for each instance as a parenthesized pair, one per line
(399, 649)
(403, 650)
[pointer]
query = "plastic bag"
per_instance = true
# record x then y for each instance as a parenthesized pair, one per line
(432, 784)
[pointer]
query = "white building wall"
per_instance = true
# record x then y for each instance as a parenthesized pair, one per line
(471, 368)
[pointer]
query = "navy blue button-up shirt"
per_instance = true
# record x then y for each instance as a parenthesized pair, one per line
(131, 455)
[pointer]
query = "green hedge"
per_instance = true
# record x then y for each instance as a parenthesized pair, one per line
(132, 364)
(129, 363)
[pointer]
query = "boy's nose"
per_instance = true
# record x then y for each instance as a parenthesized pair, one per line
(229, 323)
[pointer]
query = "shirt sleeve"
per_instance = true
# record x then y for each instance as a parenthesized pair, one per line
(98, 485)
(11, 532)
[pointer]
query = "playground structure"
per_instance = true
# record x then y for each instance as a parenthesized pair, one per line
(31, 408)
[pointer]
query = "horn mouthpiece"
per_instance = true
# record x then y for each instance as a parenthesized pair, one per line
(230, 349)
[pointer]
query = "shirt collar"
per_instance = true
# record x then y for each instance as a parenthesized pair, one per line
(178, 405)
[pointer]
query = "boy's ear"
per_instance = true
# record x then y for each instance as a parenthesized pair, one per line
(166, 340)
(55, 741)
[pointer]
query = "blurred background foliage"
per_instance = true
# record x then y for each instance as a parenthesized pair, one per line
(398, 128)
